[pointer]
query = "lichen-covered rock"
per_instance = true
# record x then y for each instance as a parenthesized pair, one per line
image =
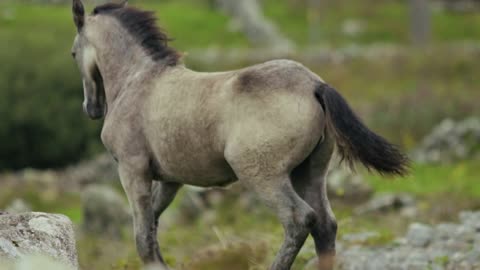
(105, 211)
(50, 235)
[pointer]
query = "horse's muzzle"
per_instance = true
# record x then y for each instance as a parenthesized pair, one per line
(93, 111)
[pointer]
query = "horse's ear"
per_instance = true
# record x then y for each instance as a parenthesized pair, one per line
(78, 14)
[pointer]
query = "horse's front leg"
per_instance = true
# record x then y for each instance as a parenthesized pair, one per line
(137, 183)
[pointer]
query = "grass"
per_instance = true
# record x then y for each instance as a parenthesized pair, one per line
(457, 180)
(232, 235)
(194, 24)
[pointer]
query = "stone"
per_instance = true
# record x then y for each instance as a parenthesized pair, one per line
(50, 235)
(100, 169)
(419, 235)
(353, 27)
(387, 202)
(35, 262)
(248, 17)
(344, 184)
(360, 238)
(18, 206)
(105, 211)
(450, 141)
(447, 246)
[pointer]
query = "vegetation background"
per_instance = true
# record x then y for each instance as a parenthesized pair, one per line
(402, 81)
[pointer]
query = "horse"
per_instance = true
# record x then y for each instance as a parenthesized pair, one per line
(272, 126)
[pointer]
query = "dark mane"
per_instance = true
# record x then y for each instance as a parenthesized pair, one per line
(142, 25)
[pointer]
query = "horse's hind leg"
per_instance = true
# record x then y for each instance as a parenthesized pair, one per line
(309, 180)
(295, 215)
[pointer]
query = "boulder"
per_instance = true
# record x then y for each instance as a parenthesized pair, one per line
(18, 206)
(248, 17)
(450, 141)
(100, 169)
(105, 211)
(50, 235)
(342, 183)
(419, 235)
(387, 202)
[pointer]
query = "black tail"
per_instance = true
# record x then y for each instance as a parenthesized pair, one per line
(354, 140)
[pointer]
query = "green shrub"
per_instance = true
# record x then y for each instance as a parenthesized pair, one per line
(40, 95)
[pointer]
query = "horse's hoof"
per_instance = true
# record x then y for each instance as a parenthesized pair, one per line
(325, 261)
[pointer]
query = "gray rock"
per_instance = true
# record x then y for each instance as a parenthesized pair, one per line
(344, 184)
(471, 219)
(105, 211)
(359, 238)
(248, 17)
(101, 169)
(353, 27)
(18, 206)
(387, 202)
(450, 141)
(419, 235)
(50, 235)
(35, 262)
(446, 246)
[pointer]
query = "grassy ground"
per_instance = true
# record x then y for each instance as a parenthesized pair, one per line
(231, 235)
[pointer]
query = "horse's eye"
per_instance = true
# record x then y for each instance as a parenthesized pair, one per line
(74, 54)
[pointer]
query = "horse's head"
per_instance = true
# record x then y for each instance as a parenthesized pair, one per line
(85, 54)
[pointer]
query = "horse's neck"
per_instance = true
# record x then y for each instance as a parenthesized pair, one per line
(124, 73)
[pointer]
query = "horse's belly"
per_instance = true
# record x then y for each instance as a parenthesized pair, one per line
(195, 169)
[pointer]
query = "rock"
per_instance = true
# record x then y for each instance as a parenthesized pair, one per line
(18, 206)
(447, 246)
(386, 202)
(360, 238)
(101, 169)
(248, 17)
(419, 235)
(35, 262)
(344, 184)
(50, 235)
(461, 6)
(105, 212)
(352, 27)
(450, 141)
(471, 219)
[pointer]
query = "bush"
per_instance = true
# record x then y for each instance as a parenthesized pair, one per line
(40, 98)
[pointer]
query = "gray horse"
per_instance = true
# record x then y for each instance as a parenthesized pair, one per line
(271, 126)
